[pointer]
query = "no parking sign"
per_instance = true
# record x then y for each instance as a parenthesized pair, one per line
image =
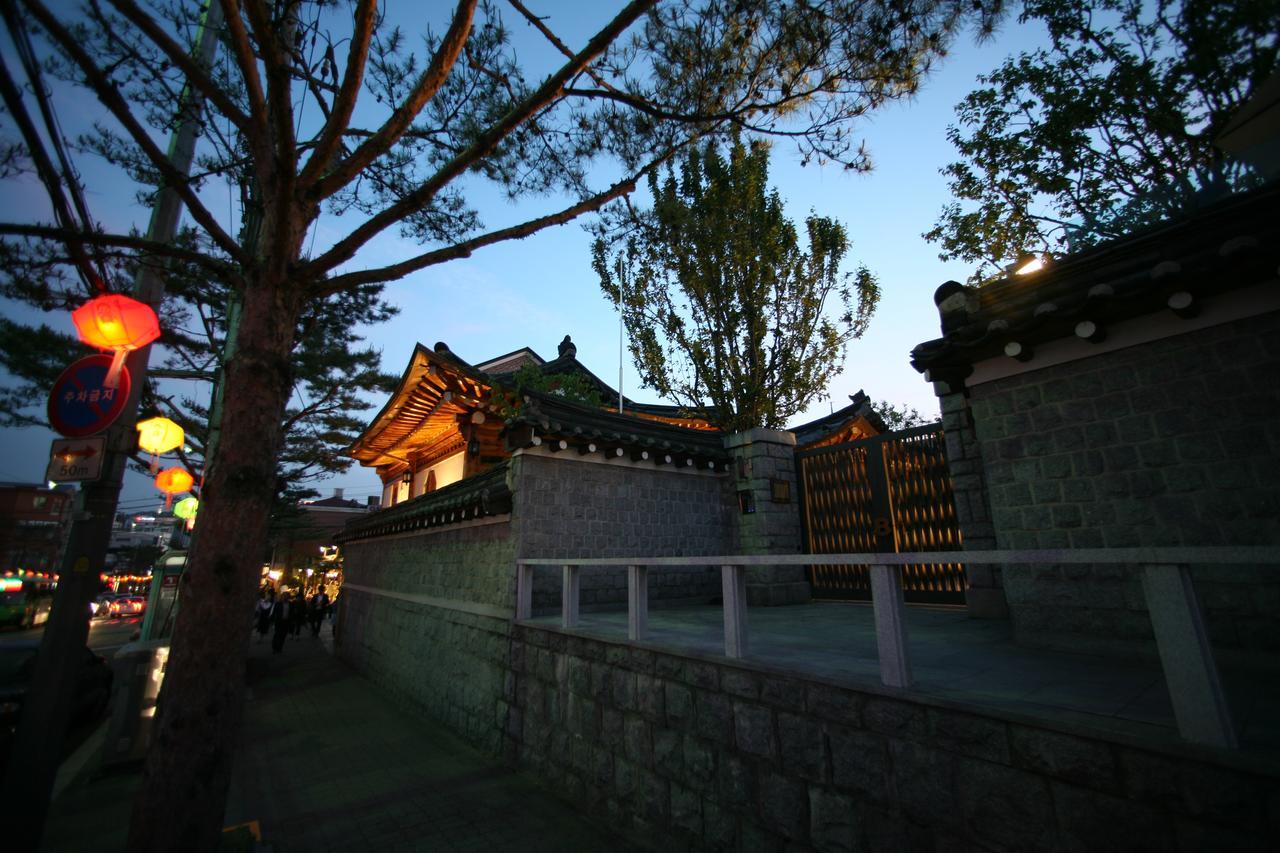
(80, 404)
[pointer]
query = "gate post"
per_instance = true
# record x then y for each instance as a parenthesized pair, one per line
(768, 513)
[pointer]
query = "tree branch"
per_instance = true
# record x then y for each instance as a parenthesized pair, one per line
(48, 232)
(113, 100)
(279, 91)
(339, 114)
(191, 70)
(466, 247)
(537, 100)
(242, 49)
(433, 77)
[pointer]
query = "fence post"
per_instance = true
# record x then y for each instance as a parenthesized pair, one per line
(733, 582)
(637, 602)
(1199, 705)
(524, 591)
(891, 626)
(569, 598)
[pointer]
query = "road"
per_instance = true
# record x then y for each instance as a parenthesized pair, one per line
(105, 635)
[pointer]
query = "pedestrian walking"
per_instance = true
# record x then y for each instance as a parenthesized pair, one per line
(281, 622)
(262, 613)
(319, 607)
(297, 613)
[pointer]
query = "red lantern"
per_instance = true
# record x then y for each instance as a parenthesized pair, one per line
(118, 323)
(173, 481)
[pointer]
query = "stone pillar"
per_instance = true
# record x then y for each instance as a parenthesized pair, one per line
(985, 598)
(769, 513)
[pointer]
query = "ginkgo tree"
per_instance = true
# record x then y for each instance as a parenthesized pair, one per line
(324, 108)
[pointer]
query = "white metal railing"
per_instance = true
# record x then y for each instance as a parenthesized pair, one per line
(1186, 656)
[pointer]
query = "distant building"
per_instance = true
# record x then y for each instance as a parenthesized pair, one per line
(304, 538)
(34, 521)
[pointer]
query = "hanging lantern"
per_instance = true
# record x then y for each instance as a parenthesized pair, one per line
(118, 323)
(173, 481)
(186, 509)
(159, 435)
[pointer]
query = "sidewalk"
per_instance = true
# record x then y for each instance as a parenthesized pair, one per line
(326, 762)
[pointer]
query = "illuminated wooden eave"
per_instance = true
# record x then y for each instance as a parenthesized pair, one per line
(432, 390)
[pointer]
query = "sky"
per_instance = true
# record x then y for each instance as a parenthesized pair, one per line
(535, 291)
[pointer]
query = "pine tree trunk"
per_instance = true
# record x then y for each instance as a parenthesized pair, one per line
(188, 768)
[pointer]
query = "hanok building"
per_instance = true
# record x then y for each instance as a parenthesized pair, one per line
(445, 423)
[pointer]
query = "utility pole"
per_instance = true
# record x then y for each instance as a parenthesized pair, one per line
(33, 764)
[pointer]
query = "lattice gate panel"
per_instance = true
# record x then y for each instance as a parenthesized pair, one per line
(924, 515)
(838, 519)
(887, 493)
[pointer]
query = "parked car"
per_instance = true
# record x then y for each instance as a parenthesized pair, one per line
(17, 664)
(100, 607)
(130, 605)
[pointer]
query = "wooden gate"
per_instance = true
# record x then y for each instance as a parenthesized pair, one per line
(890, 493)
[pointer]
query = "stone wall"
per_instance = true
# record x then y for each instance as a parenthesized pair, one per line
(466, 562)
(569, 508)
(703, 754)
(1173, 442)
(426, 615)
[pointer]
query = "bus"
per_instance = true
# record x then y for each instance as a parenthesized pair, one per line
(25, 601)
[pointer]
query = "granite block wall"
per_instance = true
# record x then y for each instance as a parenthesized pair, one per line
(1174, 442)
(426, 615)
(702, 754)
(432, 620)
(568, 508)
(450, 664)
(469, 562)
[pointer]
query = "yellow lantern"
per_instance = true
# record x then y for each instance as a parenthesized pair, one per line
(159, 435)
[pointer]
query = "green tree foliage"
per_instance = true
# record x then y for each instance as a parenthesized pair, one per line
(898, 417)
(334, 376)
(571, 386)
(328, 108)
(1107, 130)
(724, 310)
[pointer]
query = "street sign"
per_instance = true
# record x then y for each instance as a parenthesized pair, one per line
(76, 459)
(80, 404)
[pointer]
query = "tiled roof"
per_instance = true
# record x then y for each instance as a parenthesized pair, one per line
(546, 418)
(475, 497)
(816, 430)
(1170, 268)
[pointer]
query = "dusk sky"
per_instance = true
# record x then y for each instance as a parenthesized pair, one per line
(533, 292)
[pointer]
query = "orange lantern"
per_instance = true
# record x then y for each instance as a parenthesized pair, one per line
(159, 435)
(173, 481)
(118, 323)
